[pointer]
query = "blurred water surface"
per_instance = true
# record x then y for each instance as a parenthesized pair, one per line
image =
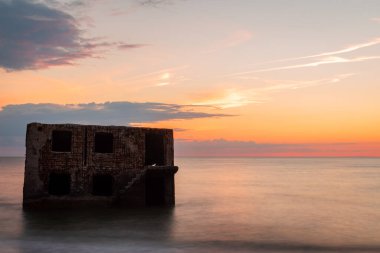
(223, 205)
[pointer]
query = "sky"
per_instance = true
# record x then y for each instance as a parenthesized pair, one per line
(272, 78)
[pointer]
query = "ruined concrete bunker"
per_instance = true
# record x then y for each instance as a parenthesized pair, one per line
(70, 165)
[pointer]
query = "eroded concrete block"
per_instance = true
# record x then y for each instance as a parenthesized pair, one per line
(87, 165)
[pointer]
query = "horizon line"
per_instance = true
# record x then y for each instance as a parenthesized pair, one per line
(237, 156)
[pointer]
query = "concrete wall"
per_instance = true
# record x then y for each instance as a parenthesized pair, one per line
(126, 160)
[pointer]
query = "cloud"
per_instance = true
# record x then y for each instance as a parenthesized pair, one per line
(234, 39)
(168, 78)
(129, 46)
(278, 85)
(237, 97)
(161, 78)
(347, 49)
(14, 118)
(36, 36)
(323, 61)
(226, 99)
(154, 3)
(225, 148)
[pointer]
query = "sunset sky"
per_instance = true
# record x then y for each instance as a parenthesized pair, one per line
(233, 78)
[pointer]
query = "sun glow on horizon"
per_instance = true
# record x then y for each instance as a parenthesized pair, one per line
(241, 72)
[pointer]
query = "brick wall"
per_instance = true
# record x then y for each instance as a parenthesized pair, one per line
(82, 162)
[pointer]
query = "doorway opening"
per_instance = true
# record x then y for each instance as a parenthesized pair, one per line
(155, 190)
(154, 149)
(102, 185)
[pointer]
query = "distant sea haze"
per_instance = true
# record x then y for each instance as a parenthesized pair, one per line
(222, 205)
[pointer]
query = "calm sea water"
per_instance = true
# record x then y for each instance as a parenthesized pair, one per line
(223, 205)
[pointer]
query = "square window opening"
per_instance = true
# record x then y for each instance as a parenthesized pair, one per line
(59, 184)
(61, 141)
(103, 142)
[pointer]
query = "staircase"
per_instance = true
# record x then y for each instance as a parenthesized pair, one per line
(133, 180)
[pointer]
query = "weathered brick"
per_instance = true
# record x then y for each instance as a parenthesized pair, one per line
(125, 157)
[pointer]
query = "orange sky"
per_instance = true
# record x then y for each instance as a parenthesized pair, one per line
(264, 72)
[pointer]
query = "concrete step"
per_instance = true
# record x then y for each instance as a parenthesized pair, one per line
(135, 179)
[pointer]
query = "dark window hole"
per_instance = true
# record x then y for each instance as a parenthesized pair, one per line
(103, 143)
(155, 190)
(102, 185)
(59, 184)
(61, 141)
(154, 149)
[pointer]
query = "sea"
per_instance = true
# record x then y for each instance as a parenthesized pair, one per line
(222, 205)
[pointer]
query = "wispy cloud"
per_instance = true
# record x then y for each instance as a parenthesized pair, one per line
(323, 61)
(169, 78)
(125, 46)
(158, 73)
(331, 57)
(262, 91)
(281, 85)
(234, 39)
(347, 49)
(315, 60)
(160, 78)
(228, 98)
(36, 36)
(156, 3)
(377, 20)
(135, 5)
(163, 79)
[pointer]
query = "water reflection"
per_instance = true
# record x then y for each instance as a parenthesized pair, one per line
(100, 230)
(223, 205)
